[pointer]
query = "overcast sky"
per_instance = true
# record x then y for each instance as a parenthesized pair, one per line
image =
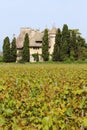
(39, 14)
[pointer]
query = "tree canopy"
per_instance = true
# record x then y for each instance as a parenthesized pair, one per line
(45, 46)
(26, 51)
(6, 50)
(13, 51)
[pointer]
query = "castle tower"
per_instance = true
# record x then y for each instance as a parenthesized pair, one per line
(52, 34)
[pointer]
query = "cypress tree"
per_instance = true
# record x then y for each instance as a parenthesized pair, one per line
(80, 47)
(45, 46)
(6, 50)
(65, 42)
(26, 51)
(72, 45)
(13, 52)
(57, 47)
(37, 57)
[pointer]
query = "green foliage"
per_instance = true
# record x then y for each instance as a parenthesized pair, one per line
(43, 97)
(78, 46)
(13, 51)
(6, 50)
(85, 122)
(65, 42)
(26, 51)
(36, 57)
(57, 47)
(1, 58)
(45, 46)
(47, 123)
(69, 46)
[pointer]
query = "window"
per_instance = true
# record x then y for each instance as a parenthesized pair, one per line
(39, 42)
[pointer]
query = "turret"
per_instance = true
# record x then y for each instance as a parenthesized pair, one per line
(52, 34)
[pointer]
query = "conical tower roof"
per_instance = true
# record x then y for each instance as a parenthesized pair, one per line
(53, 30)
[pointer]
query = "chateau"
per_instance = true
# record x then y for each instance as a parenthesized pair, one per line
(35, 42)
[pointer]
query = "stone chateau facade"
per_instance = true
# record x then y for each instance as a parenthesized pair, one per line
(35, 39)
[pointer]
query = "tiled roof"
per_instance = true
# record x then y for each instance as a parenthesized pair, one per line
(35, 37)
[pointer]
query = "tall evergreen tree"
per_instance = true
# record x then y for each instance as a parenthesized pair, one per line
(65, 42)
(26, 51)
(57, 46)
(13, 51)
(74, 45)
(6, 50)
(45, 46)
(80, 47)
(77, 45)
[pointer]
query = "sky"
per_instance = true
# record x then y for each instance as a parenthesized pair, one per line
(39, 14)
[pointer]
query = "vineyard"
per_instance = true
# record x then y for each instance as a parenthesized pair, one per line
(43, 97)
